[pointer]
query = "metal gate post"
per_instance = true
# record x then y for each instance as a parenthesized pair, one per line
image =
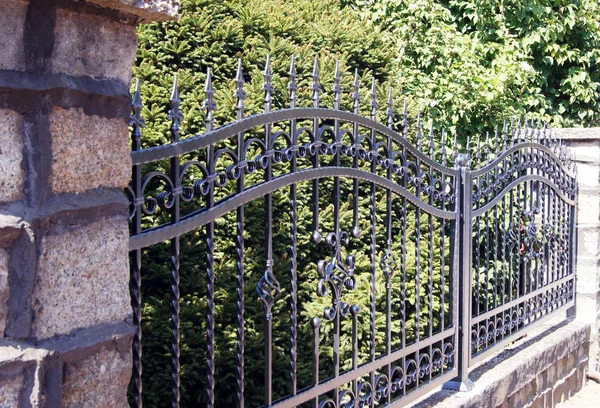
(465, 249)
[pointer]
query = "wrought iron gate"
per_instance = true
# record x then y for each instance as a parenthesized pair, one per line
(398, 223)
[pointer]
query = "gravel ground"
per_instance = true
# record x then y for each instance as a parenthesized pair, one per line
(588, 397)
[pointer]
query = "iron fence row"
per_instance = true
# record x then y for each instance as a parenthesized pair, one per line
(385, 262)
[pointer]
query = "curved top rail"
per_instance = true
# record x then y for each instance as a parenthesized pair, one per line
(231, 129)
(199, 218)
(502, 156)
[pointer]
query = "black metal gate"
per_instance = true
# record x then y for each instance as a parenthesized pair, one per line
(399, 241)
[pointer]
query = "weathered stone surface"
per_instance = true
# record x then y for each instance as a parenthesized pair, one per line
(10, 390)
(83, 277)
(101, 379)
(12, 23)
(587, 174)
(589, 208)
(147, 10)
(578, 133)
(93, 46)
(4, 289)
(88, 151)
(11, 155)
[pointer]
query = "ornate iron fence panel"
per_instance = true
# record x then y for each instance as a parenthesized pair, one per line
(523, 206)
(364, 196)
(316, 257)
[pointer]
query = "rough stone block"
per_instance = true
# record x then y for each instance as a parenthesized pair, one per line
(12, 24)
(147, 10)
(88, 151)
(11, 154)
(93, 46)
(101, 378)
(588, 240)
(10, 389)
(589, 208)
(586, 151)
(4, 289)
(587, 174)
(82, 278)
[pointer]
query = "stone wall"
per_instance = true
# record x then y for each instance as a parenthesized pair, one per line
(65, 315)
(585, 144)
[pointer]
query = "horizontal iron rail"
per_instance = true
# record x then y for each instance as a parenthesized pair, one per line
(531, 177)
(232, 129)
(349, 376)
(524, 298)
(204, 216)
(537, 146)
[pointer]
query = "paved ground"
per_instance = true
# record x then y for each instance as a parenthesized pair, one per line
(588, 397)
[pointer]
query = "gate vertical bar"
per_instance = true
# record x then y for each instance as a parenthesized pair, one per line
(464, 205)
(137, 122)
(175, 115)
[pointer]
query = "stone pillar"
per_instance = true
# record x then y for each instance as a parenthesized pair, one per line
(65, 315)
(585, 144)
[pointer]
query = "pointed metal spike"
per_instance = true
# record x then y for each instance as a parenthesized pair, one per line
(174, 113)
(267, 87)
(175, 90)
(209, 104)
(292, 85)
(478, 151)
(355, 92)
(518, 135)
(431, 142)
(405, 120)
(136, 118)
(239, 92)
(390, 109)
(418, 134)
(512, 131)
(374, 104)
(337, 88)
(468, 146)
(315, 87)
(544, 135)
(538, 131)
(443, 146)
(504, 135)
(455, 147)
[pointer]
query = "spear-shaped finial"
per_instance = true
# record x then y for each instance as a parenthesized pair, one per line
(455, 148)
(431, 143)
(239, 92)
(315, 87)
(544, 135)
(504, 135)
(443, 147)
(468, 147)
(135, 119)
(267, 87)
(405, 120)
(512, 131)
(478, 152)
(174, 113)
(538, 131)
(390, 109)
(337, 88)
(419, 133)
(355, 92)
(209, 104)
(292, 85)
(374, 105)
(518, 135)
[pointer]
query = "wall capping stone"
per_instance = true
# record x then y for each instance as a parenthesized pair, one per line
(578, 133)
